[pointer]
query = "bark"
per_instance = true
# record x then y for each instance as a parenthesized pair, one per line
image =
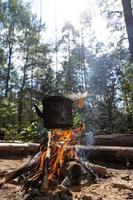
(10, 52)
(101, 171)
(114, 140)
(20, 106)
(130, 115)
(31, 93)
(109, 154)
(129, 24)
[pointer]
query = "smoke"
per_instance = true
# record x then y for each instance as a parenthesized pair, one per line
(88, 140)
(76, 96)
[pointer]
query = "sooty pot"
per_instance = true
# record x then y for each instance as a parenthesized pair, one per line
(57, 112)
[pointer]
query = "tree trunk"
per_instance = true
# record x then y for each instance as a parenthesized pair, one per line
(20, 109)
(129, 112)
(69, 70)
(129, 24)
(8, 70)
(31, 92)
(83, 71)
(20, 104)
(10, 43)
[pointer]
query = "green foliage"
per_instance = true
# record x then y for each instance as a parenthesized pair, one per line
(27, 71)
(25, 57)
(8, 122)
(127, 94)
(127, 87)
(29, 133)
(76, 119)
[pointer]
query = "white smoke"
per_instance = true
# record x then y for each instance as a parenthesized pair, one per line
(88, 141)
(76, 96)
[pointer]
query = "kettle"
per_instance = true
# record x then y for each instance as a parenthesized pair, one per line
(57, 112)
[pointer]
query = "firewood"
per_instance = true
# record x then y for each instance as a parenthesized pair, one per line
(12, 175)
(73, 172)
(44, 180)
(66, 182)
(100, 170)
(29, 167)
(31, 183)
(86, 166)
(15, 174)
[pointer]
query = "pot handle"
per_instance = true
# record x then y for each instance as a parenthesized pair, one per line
(39, 113)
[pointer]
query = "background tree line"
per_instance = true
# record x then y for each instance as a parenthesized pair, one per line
(104, 70)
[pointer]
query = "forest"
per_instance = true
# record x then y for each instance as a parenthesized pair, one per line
(32, 67)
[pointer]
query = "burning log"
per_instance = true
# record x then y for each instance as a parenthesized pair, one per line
(29, 168)
(19, 172)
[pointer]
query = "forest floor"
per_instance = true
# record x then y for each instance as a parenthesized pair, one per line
(119, 186)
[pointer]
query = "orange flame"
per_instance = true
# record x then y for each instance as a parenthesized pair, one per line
(80, 103)
(60, 140)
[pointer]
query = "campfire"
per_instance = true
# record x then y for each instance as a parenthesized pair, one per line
(57, 163)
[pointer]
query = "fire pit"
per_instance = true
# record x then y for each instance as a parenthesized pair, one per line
(56, 165)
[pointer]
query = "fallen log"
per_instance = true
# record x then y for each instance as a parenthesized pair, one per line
(114, 140)
(18, 149)
(107, 154)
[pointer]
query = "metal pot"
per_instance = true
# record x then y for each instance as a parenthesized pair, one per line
(57, 112)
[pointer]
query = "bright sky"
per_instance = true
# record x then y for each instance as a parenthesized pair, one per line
(70, 10)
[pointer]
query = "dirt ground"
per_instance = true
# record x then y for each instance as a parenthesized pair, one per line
(117, 187)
